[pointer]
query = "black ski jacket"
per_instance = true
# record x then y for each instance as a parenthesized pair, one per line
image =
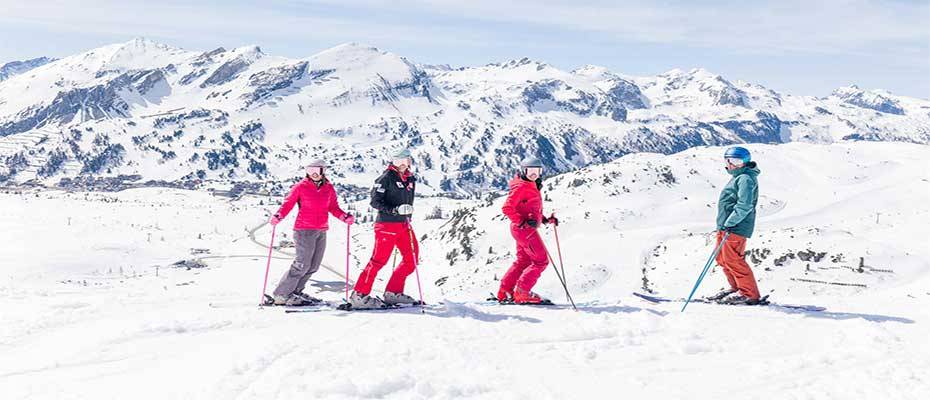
(390, 191)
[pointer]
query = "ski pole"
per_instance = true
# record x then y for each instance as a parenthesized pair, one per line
(562, 281)
(267, 266)
(706, 267)
(558, 247)
(556, 269)
(416, 261)
(348, 253)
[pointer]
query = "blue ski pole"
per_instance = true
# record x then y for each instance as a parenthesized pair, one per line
(706, 267)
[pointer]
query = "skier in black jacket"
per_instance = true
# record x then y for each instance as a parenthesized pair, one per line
(392, 195)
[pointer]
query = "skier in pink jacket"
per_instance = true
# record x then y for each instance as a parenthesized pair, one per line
(316, 199)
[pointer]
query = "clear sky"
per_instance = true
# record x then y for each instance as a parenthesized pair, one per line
(807, 47)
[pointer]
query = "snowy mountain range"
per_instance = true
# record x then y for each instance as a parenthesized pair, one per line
(157, 112)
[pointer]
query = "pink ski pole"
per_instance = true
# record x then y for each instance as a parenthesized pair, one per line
(267, 266)
(348, 252)
(416, 262)
(558, 247)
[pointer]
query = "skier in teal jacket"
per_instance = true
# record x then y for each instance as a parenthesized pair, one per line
(736, 214)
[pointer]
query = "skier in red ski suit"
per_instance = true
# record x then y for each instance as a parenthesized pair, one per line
(524, 209)
(392, 196)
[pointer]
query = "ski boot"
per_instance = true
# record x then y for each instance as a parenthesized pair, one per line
(360, 301)
(308, 298)
(504, 296)
(527, 297)
(290, 301)
(738, 299)
(721, 294)
(391, 298)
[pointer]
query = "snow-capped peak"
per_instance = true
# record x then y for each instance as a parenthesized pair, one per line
(878, 100)
(693, 73)
(361, 62)
(847, 90)
(140, 53)
(522, 63)
(672, 72)
(351, 53)
(596, 72)
(702, 73)
(250, 52)
(697, 87)
(143, 43)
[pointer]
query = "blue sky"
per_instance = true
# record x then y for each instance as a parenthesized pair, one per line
(795, 46)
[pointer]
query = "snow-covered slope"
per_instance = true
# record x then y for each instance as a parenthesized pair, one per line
(89, 299)
(163, 113)
(821, 209)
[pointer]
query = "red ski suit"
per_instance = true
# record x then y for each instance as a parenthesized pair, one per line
(387, 236)
(523, 204)
(391, 190)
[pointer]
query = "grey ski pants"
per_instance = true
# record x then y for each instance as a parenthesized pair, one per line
(311, 244)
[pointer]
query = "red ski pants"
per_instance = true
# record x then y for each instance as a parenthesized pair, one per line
(532, 259)
(387, 236)
(731, 259)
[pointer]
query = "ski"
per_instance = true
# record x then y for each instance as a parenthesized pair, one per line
(544, 303)
(223, 305)
(764, 303)
(269, 302)
(309, 308)
(346, 307)
(550, 305)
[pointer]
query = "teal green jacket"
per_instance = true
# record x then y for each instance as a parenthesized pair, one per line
(736, 208)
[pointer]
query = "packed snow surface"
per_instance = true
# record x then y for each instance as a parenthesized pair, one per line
(92, 308)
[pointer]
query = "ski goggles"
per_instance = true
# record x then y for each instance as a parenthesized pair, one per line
(315, 170)
(533, 170)
(734, 161)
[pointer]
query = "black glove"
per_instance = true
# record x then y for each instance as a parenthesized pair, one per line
(532, 223)
(551, 220)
